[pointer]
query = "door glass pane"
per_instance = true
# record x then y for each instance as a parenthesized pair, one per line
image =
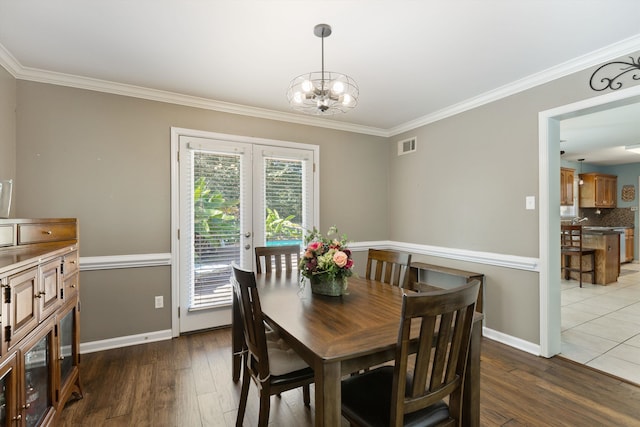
(4, 387)
(66, 349)
(283, 201)
(36, 381)
(216, 227)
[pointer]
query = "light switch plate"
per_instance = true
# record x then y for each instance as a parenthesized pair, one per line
(530, 202)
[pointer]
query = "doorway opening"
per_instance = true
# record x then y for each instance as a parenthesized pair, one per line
(549, 217)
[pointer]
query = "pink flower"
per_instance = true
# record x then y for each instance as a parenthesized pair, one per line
(314, 246)
(349, 264)
(340, 258)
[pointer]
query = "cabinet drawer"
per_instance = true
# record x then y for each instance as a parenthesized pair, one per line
(70, 265)
(71, 286)
(42, 233)
(6, 235)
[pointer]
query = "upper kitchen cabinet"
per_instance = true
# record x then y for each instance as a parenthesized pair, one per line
(566, 186)
(598, 190)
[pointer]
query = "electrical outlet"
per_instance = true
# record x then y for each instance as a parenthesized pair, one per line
(159, 301)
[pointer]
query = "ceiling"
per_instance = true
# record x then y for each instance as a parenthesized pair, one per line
(414, 60)
(600, 138)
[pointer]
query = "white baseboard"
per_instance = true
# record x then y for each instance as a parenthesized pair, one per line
(514, 342)
(108, 344)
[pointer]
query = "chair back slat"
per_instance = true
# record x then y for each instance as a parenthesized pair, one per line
(388, 266)
(277, 258)
(445, 319)
(246, 292)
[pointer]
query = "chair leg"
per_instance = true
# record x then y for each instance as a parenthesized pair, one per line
(306, 395)
(244, 394)
(265, 402)
(580, 272)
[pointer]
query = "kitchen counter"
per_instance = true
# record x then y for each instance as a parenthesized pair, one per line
(606, 242)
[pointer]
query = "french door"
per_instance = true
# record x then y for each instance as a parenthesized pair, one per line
(235, 195)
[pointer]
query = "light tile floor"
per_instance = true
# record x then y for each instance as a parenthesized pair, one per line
(601, 324)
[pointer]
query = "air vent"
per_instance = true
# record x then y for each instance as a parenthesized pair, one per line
(407, 146)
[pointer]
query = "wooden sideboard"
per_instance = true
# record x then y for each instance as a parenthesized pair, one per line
(40, 319)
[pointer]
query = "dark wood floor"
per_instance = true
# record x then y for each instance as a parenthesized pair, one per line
(187, 382)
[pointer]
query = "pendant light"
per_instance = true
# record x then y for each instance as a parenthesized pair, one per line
(323, 92)
(580, 174)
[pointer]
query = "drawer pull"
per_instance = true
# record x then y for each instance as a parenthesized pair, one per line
(47, 232)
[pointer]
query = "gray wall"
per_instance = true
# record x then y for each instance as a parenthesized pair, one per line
(466, 186)
(7, 127)
(105, 159)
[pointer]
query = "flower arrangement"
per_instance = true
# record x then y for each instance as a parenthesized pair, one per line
(325, 259)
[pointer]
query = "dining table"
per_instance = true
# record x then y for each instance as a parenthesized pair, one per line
(338, 336)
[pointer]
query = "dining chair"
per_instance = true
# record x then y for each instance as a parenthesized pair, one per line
(413, 395)
(268, 361)
(388, 266)
(274, 258)
(571, 246)
(277, 258)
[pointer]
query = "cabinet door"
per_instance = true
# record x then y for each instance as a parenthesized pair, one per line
(68, 352)
(566, 186)
(36, 388)
(20, 298)
(49, 288)
(9, 392)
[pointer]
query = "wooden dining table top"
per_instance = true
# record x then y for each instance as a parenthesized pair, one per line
(363, 321)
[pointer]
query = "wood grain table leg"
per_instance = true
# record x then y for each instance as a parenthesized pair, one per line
(328, 395)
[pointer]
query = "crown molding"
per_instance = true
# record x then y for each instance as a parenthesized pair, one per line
(11, 64)
(580, 63)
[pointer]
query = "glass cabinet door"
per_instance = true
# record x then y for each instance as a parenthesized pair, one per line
(66, 346)
(8, 392)
(37, 381)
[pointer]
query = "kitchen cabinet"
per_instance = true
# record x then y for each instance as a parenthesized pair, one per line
(566, 186)
(39, 326)
(598, 190)
(628, 236)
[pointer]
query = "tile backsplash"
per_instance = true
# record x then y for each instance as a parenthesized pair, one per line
(618, 217)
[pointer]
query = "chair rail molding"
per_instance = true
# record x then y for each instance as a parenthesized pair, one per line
(488, 258)
(110, 262)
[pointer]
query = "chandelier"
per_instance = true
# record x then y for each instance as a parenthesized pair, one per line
(323, 92)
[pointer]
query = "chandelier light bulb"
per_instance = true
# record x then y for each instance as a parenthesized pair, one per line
(346, 99)
(297, 98)
(307, 86)
(338, 87)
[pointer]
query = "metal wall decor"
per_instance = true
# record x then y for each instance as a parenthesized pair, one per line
(601, 80)
(628, 193)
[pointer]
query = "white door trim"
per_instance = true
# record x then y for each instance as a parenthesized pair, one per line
(549, 215)
(176, 133)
